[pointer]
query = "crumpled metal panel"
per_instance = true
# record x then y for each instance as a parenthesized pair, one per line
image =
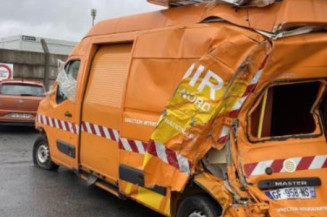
(208, 93)
(172, 3)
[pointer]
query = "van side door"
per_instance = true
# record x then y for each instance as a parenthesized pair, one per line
(62, 116)
(102, 110)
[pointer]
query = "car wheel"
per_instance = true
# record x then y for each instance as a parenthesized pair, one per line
(198, 206)
(41, 154)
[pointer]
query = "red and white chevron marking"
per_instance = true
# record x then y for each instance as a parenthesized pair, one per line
(249, 89)
(136, 146)
(101, 131)
(59, 124)
(97, 130)
(223, 137)
(300, 163)
(239, 103)
(169, 156)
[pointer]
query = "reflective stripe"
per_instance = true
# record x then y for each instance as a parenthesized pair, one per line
(140, 147)
(261, 167)
(161, 152)
(126, 145)
(256, 77)
(239, 103)
(318, 162)
(169, 156)
(295, 164)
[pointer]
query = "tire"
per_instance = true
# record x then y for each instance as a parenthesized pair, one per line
(41, 154)
(198, 206)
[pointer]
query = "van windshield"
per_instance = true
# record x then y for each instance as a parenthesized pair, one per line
(21, 90)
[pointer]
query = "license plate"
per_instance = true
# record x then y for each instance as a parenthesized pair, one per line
(292, 193)
(20, 116)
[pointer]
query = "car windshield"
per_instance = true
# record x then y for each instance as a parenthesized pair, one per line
(21, 90)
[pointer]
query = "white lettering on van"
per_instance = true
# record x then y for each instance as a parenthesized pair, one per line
(198, 101)
(302, 209)
(178, 128)
(141, 122)
(206, 81)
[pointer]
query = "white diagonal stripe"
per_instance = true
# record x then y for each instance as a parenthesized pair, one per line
(126, 145)
(53, 122)
(43, 119)
(318, 162)
(97, 130)
(88, 127)
(116, 134)
(63, 125)
(261, 167)
(77, 129)
(56, 123)
(140, 147)
(183, 164)
(106, 133)
(70, 127)
(239, 103)
(256, 77)
(161, 152)
(224, 131)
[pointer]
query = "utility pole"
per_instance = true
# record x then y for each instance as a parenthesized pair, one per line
(46, 63)
(93, 14)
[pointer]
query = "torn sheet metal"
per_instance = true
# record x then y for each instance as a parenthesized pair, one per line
(293, 32)
(66, 82)
(176, 3)
(207, 95)
(219, 190)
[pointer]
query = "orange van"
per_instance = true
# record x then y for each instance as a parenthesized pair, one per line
(200, 110)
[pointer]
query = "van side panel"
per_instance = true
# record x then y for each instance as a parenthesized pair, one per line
(102, 110)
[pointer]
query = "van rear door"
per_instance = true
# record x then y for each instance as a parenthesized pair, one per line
(284, 152)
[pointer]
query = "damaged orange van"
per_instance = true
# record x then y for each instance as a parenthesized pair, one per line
(205, 109)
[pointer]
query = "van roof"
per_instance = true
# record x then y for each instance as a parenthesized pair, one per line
(282, 15)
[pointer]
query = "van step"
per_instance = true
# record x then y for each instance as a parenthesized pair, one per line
(91, 180)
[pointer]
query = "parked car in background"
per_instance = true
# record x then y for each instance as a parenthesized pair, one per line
(19, 100)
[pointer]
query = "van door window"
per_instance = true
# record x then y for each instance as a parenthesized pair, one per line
(67, 81)
(286, 110)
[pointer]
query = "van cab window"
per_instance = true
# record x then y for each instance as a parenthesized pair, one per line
(67, 81)
(285, 110)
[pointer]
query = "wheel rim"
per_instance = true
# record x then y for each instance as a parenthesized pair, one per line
(197, 214)
(43, 153)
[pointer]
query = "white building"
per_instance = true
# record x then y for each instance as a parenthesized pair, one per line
(33, 44)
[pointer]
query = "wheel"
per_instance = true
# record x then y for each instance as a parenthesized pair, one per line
(198, 206)
(41, 154)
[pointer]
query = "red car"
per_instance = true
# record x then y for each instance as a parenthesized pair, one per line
(19, 100)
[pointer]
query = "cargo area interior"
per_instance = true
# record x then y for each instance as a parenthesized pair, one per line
(279, 108)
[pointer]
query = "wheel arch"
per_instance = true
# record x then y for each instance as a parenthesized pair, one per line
(194, 187)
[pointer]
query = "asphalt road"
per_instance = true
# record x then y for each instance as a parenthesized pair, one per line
(26, 191)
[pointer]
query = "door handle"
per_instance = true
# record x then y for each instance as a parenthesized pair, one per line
(68, 114)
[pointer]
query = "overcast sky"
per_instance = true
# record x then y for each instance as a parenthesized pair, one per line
(62, 19)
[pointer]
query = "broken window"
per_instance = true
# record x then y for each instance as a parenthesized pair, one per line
(285, 110)
(66, 79)
(323, 112)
